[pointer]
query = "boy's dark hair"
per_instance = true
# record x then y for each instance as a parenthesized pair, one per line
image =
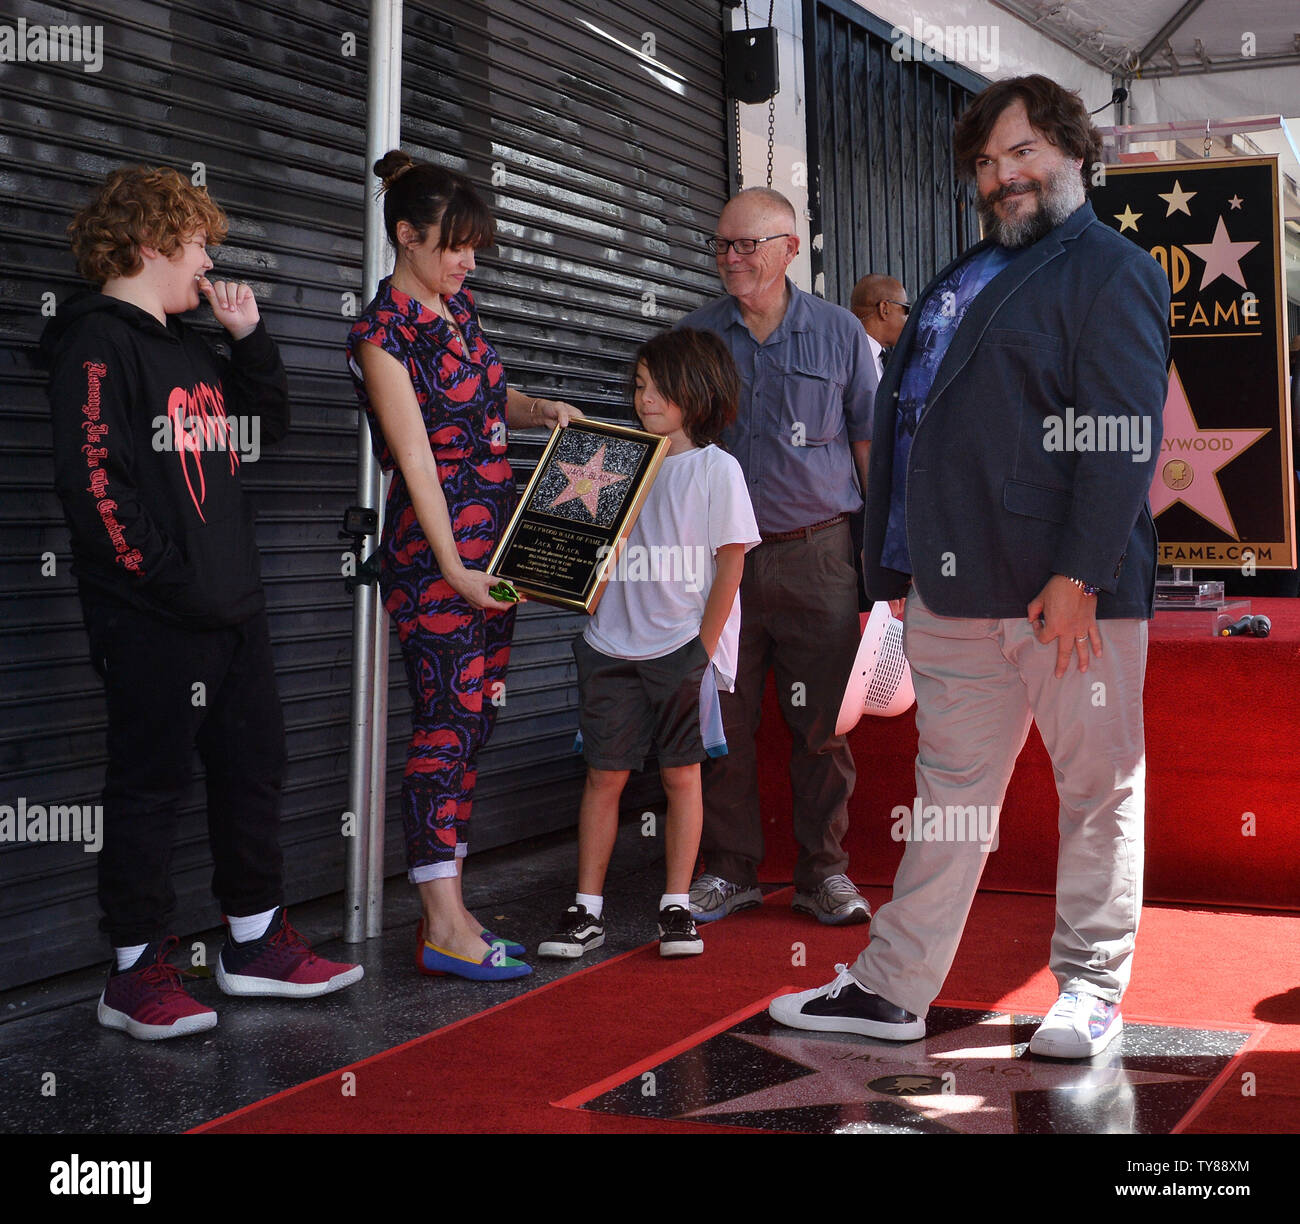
(424, 195)
(1057, 112)
(694, 370)
(139, 206)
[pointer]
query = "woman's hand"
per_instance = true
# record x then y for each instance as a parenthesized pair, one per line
(525, 411)
(557, 414)
(473, 587)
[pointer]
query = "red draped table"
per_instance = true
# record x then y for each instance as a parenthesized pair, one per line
(1223, 776)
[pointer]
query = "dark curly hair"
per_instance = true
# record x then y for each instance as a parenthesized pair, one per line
(693, 370)
(1057, 112)
(140, 206)
(423, 195)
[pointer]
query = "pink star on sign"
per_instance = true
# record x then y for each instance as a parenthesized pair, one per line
(1189, 458)
(586, 481)
(1222, 256)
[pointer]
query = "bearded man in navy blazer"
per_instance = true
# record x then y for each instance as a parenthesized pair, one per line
(1017, 428)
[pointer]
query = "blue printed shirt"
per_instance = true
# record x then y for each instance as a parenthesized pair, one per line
(941, 315)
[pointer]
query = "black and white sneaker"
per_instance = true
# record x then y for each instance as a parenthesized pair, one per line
(846, 1006)
(677, 933)
(579, 932)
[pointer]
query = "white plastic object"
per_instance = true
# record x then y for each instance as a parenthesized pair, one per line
(881, 680)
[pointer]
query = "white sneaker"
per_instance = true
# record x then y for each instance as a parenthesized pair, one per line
(1078, 1026)
(713, 897)
(846, 1006)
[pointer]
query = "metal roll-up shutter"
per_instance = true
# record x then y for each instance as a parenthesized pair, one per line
(261, 101)
(884, 195)
(613, 165)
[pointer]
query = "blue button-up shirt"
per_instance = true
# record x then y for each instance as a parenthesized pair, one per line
(807, 391)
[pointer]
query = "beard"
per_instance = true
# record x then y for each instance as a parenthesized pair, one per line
(1060, 193)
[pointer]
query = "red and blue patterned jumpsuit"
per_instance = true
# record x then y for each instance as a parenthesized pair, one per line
(455, 654)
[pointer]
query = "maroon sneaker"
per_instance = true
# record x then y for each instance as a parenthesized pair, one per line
(148, 1001)
(282, 964)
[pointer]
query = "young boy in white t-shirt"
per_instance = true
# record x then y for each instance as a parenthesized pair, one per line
(667, 625)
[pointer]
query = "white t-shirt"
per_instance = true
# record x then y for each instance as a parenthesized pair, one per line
(654, 600)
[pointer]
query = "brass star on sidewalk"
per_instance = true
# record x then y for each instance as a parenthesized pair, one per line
(981, 1066)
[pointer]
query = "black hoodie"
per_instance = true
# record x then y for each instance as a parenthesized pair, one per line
(149, 423)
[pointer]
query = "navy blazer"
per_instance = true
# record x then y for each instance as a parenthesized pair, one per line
(1078, 321)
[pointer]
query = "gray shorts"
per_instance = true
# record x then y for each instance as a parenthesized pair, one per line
(627, 707)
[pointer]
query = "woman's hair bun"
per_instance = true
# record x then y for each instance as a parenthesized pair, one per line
(393, 165)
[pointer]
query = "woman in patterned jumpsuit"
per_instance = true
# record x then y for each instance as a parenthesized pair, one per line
(436, 398)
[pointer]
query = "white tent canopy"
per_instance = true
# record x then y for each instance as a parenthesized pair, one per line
(1187, 59)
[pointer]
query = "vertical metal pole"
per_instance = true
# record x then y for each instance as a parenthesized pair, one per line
(363, 899)
(378, 786)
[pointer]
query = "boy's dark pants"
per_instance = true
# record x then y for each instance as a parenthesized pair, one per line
(169, 690)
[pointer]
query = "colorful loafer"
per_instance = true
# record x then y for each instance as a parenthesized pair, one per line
(433, 961)
(508, 946)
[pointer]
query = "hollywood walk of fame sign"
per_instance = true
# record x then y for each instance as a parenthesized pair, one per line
(579, 506)
(1224, 487)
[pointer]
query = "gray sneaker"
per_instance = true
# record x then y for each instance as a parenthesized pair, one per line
(836, 902)
(713, 897)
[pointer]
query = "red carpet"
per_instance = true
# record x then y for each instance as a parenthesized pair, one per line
(499, 1071)
(1223, 740)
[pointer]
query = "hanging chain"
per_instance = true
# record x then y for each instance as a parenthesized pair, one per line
(771, 115)
(740, 173)
(771, 110)
(771, 136)
(740, 170)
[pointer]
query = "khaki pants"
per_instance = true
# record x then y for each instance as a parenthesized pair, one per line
(799, 615)
(978, 685)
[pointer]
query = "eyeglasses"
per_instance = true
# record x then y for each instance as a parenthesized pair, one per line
(907, 306)
(742, 246)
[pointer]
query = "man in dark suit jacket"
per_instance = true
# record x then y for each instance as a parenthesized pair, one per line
(1017, 429)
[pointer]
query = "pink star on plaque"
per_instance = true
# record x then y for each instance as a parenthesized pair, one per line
(586, 480)
(1222, 256)
(1189, 458)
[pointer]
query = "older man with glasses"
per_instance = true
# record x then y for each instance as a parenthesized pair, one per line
(802, 437)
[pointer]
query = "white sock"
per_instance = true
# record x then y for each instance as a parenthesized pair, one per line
(595, 905)
(682, 899)
(242, 930)
(126, 957)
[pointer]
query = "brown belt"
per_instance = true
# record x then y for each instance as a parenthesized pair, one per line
(806, 533)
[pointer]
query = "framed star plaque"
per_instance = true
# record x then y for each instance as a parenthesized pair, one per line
(575, 514)
(1223, 490)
